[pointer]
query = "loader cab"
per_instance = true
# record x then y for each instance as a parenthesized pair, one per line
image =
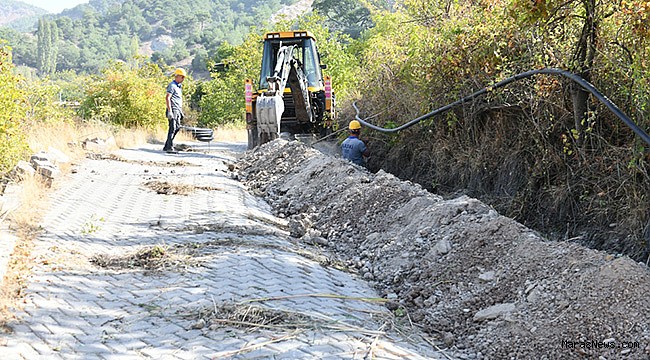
(306, 53)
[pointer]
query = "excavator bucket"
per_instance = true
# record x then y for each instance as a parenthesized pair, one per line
(269, 114)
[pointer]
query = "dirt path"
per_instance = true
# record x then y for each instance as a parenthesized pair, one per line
(149, 255)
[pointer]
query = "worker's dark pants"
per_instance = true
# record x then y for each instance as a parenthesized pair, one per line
(174, 126)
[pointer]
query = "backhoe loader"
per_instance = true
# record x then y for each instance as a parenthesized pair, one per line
(292, 96)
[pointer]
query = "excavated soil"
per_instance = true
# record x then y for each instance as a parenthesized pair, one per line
(483, 284)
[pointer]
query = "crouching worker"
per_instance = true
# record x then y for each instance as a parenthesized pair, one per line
(353, 148)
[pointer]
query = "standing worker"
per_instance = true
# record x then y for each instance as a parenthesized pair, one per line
(174, 100)
(353, 148)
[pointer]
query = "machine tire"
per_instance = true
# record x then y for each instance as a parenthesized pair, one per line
(253, 138)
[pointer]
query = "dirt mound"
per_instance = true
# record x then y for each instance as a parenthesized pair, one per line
(484, 284)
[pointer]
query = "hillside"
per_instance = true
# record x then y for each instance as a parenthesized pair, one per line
(18, 15)
(90, 35)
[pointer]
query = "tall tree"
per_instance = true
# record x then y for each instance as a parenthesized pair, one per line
(47, 44)
(44, 44)
(348, 16)
(54, 47)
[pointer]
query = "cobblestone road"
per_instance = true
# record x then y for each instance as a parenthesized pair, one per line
(77, 310)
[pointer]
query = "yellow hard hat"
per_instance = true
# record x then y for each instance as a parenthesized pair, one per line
(354, 125)
(180, 71)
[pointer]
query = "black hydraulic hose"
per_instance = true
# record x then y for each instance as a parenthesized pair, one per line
(550, 71)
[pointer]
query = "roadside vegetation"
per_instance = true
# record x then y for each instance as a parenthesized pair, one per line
(540, 151)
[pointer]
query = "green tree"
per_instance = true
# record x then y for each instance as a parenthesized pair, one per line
(23, 46)
(222, 99)
(200, 61)
(348, 16)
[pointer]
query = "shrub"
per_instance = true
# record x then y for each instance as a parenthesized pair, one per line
(13, 146)
(127, 94)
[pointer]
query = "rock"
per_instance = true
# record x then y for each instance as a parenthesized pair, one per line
(49, 171)
(494, 311)
(24, 169)
(57, 156)
(392, 305)
(373, 237)
(45, 168)
(99, 145)
(162, 42)
(199, 324)
(487, 276)
(38, 163)
(443, 246)
(296, 227)
(533, 296)
(94, 145)
(111, 143)
(317, 240)
(312, 232)
(448, 339)
(41, 157)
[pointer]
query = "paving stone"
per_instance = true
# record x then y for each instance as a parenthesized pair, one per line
(19, 351)
(55, 328)
(133, 314)
(191, 335)
(96, 348)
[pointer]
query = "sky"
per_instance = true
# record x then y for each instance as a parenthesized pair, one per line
(54, 6)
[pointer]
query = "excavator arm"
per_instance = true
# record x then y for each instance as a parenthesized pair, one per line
(270, 104)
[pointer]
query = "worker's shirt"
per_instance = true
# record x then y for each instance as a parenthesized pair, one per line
(176, 100)
(353, 149)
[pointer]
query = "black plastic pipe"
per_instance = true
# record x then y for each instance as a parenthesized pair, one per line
(579, 80)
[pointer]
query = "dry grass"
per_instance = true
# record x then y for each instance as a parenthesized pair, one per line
(41, 138)
(152, 258)
(231, 133)
(127, 138)
(69, 134)
(25, 222)
(166, 188)
(182, 136)
(254, 316)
